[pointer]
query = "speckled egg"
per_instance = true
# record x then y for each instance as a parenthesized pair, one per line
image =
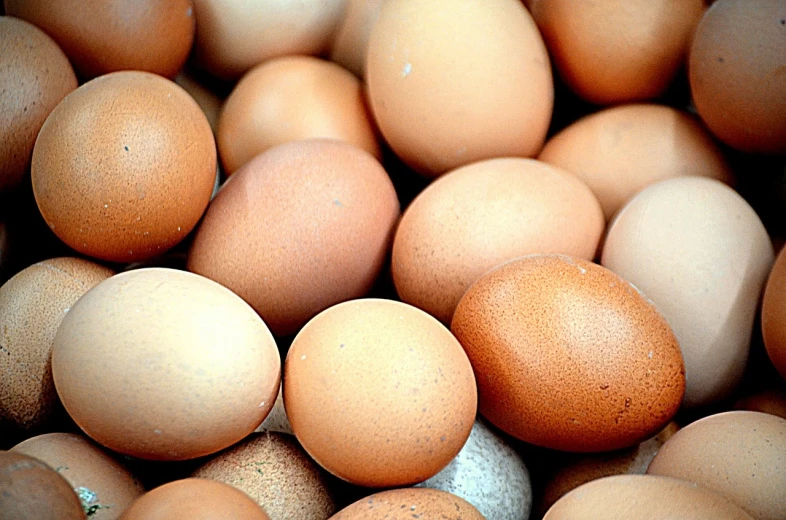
(409, 503)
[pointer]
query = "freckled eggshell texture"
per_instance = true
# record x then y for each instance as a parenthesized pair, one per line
(379, 393)
(773, 314)
(568, 355)
(409, 503)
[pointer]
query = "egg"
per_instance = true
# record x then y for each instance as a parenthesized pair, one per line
(408, 503)
(124, 167)
(740, 455)
(299, 228)
(568, 355)
(736, 72)
(442, 102)
(773, 314)
(162, 364)
(771, 401)
(104, 486)
(35, 76)
(379, 393)
(621, 150)
(291, 98)
(482, 215)
(208, 100)
(350, 43)
(699, 251)
(103, 36)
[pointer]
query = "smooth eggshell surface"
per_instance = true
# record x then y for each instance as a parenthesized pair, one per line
(350, 44)
(773, 314)
(408, 503)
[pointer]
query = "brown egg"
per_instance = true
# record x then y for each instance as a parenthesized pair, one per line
(479, 216)
(291, 98)
(773, 313)
(379, 393)
(612, 53)
(736, 71)
(274, 470)
(569, 355)
(33, 303)
(408, 503)
(699, 251)
(441, 102)
(35, 76)
(621, 150)
(623, 497)
(207, 99)
(124, 167)
(301, 227)
(740, 455)
(350, 44)
(194, 499)
(104, 486)
(102, 36)
(163, 364)
(771, 401)
(31, 490)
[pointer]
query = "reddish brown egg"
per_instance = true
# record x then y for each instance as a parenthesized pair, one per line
(408, 503)
(773, 314)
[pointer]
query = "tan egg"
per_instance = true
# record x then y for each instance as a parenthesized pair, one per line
(351, 41)
(417, 400)
(740, 455)
(274, 470)
(195, 499)
(649, 497)
(291, 98)
(208, 101)
(301, 227)
(479, 216)
(35, 76)
(441, 102)
(103, 485)
(33, 303)
(621, 150)
(568, 355)
(124, 167)
(102, 36)
(773, 313)
(163, 364)
(609, 53)
(234, 35)
(699, 251)
(408, 503)
(736, 72)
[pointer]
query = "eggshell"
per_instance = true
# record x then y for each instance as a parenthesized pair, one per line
(291, 98)
(124, 167)
(740, 455)
(646, 497)
(488, 474)
(350, 44)
(773, 314)
(195, 499)
(104, 486)
(621, 150)
(301, 227)
(407, 503)
(33, 303)
(736, 72)
(165, 365)
(441, 103)
(608, 52)
(569, 355)
(35, 76)
(379, 393)
(699, 251)
(482, 215)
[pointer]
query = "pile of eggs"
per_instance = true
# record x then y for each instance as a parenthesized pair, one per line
(365, 259)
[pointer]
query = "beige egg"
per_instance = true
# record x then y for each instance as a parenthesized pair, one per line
(350, 44)
(409, 503)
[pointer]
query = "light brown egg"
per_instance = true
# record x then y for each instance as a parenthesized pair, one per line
(291, 98)
(569, 355)
(163, 364)
(350, 44)
(379, 393)
(740, 455)
(408, 503)
(33, 303)
(452, 83)
(124, 167)
(479, 216)
(621, 150)
(273, 469)
(102, 36)
(609, 52)
(773, 313)
(699, 251)
(35, 76)
(736, 71)
(103, 485)
(301, 227)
